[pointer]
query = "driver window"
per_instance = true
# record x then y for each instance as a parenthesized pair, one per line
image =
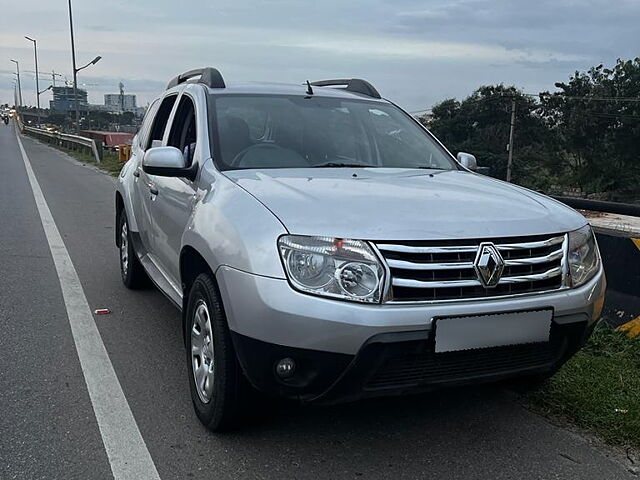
(160, 120)
(183, 129)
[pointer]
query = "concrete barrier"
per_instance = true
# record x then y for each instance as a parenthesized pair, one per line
(617, 228)
(619, 241)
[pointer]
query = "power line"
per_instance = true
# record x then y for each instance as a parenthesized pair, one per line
(612, 115)
(597, 99)
(538, 95)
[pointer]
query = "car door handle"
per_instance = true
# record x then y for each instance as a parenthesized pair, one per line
(153, 190)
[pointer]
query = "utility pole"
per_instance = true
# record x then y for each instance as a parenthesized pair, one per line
(510, 147)
(54, 75)
(35, 55)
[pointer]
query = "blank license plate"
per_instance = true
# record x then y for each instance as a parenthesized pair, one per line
(481, 331)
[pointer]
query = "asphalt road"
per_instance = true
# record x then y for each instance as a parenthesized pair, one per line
(48, 428)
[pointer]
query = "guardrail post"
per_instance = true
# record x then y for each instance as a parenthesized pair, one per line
(99, 150)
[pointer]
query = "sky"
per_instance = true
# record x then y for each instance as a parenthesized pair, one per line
(416, 52)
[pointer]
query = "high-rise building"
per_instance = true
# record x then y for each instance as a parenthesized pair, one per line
(64, 99)
(120, 102)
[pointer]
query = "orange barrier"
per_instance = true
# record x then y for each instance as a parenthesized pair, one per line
(124, 152)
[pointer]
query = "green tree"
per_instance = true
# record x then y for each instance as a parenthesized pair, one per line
(480, 124)
(596, 114)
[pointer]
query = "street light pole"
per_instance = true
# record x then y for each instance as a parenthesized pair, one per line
(75, 71)
(19, 86)
(35, 55)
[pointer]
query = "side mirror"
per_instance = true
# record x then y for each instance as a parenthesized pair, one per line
(167, 162)
(468, 161)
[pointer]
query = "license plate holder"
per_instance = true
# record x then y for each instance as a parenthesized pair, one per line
(492, 330)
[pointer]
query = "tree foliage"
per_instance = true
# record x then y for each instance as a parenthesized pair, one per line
(584, 136)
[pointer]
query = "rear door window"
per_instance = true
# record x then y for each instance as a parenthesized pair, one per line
(143, 133)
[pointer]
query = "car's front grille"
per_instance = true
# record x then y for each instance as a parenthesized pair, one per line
(414, 368)
(444, 270)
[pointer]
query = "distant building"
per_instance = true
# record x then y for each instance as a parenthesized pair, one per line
(99, 108)
(64, 99)
(120, 102)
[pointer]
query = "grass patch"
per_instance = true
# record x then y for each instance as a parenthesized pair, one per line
(109, 164)
(599, 388)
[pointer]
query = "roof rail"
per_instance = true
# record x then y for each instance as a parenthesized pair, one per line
(211, 77)
(356, 85)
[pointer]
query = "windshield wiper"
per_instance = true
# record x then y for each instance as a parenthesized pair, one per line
(341, 165)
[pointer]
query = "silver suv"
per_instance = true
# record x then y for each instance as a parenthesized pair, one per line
(323, 246)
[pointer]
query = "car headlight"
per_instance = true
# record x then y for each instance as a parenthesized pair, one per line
(332, 267)
(584, 258)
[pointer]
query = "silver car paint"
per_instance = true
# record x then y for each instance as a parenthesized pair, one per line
(170, 208)
(139, 217)
(234, 218)
(229, 227)
(222, 222)
(270, 310)
(403, 204)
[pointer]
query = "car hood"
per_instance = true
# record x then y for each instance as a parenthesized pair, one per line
(403, 204)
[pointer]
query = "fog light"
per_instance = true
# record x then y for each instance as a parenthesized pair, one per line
(286, 367)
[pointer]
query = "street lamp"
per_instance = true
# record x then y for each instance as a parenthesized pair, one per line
(48, 88)
(92, 62)
(35, 55)
(19, 86)
(76, 70)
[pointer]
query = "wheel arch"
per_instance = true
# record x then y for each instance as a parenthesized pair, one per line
(119, 204)
(192, 264)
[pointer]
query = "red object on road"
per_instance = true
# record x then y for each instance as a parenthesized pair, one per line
(102, 311)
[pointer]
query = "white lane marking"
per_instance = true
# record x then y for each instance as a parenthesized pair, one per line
(125, 447)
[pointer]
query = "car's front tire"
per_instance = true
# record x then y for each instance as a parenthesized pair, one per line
(132, 272)
(218, 387)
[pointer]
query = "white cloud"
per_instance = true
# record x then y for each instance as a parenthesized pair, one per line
(451, 45)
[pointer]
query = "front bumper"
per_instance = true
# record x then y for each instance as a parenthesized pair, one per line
(399, 363)
(345, 350)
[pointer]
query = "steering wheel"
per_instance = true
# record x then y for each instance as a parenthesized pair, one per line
(259, 146)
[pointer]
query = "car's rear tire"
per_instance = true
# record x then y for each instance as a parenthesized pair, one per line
(131, 271)
(218, 387)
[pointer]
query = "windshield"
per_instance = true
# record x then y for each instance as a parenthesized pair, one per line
(259, 131)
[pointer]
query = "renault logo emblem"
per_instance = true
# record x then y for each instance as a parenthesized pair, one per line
(488, 265)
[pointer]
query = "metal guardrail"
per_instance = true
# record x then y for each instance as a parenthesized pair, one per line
(600, 206)
(72, 142)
